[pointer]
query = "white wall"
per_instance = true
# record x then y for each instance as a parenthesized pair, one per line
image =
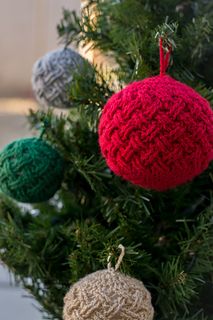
(13, 301)
(27, 31)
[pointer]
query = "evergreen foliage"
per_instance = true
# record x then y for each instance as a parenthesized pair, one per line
(168, 236)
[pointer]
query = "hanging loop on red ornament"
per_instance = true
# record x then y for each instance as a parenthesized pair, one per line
(164, 58)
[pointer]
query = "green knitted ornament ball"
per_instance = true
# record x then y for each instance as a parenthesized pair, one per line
(30, 170)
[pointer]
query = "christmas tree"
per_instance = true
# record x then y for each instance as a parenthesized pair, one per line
(168, 236)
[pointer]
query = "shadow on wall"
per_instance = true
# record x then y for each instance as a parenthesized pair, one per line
(12, 295)
(27, 31)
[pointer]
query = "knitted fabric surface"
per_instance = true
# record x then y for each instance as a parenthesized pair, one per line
(108, 294)
(30, 170)
(52, 76)
(157, 133)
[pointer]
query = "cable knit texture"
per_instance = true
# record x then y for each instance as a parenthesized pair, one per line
(157, 133)
(30, 170)
(52, 77)
(108, 295)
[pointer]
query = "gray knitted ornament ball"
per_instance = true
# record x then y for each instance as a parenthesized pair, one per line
(108, 294)
(52, 76)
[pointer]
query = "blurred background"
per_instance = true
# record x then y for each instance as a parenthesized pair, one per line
(27, 31)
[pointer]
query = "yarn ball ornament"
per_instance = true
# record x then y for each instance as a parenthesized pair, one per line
(30, 170)
(108, 294)
(52, 77)
(157, 133)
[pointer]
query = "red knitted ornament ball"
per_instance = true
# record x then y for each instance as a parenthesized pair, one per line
(157, 133)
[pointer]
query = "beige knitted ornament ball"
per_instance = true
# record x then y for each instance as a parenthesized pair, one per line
(108, 294)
